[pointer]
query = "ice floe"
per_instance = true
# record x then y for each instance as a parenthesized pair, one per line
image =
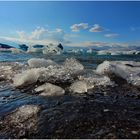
(49, 89)
(16, 50)
(9, 69)
(42, 74)
(26, 77)
(128, 70)
(93, 79)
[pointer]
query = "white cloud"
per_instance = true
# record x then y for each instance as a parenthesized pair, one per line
(78, 27)
(111, 35)
(21, 34)
(89, 44)
(38, 32)
(96, 28)
(40, 35)
(97, 44)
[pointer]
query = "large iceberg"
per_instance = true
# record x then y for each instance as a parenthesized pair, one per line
(46, 49)
(52, 49)
(128, 70)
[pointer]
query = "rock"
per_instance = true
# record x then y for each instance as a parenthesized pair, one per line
(48, 89)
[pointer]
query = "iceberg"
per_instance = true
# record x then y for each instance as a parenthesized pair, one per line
(89, 51)
(52, 49)
(128, 70)
(23, 47)
(45, 49)
(103, 52)
(16, 50)
(49, 89)
(31, 49)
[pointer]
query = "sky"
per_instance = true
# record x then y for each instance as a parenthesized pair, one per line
(76, 24)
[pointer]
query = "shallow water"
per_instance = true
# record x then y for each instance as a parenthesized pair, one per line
(102, 98)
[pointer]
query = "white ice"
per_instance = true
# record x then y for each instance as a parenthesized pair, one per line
(49, 89)
(128, 70)
(79, 87)
(40, 62)
(58, 72)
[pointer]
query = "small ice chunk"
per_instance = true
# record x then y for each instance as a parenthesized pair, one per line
(16, 50)
(48, 89)
(24, 112)
(72, 65)
(94, 79)
(40, 62)
(27, 77)
(79, 87)
(130, 71)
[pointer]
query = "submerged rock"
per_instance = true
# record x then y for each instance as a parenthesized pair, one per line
(48, 89)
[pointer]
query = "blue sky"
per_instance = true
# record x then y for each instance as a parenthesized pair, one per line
(78, 24)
